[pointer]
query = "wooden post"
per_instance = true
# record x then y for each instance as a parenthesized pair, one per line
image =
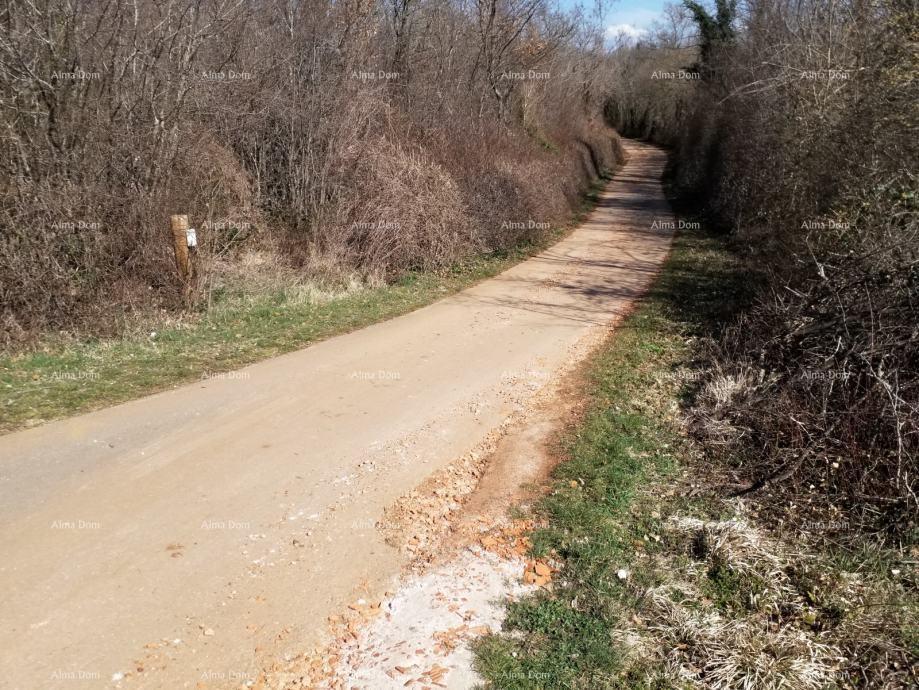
(179, 226)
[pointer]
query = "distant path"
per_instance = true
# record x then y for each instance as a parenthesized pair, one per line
(198, 532)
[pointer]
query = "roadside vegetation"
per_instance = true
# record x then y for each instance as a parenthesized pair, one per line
(795, 131)
(61, 377)
(336, 142)
(666, 580)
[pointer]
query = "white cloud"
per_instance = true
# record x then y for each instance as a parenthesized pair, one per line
(632, 23)
(629, 31)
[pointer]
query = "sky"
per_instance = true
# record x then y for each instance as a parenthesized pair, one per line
(632, 17)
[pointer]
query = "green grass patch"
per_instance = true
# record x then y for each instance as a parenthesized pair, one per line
(593, 526)
(732, 591)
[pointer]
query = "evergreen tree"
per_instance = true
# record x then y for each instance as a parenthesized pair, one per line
(714, 31)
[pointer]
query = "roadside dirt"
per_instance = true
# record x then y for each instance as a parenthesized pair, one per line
(203, 537)
(465, 562)
(450, 509)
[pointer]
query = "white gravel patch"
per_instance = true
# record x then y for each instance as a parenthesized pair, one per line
(427, 626)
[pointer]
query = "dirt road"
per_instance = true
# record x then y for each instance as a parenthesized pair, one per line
(184, 539)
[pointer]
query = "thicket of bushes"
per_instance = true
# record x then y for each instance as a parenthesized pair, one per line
(800, 139)
(345, 137)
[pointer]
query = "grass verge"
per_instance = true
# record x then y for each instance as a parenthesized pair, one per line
(662, 583)
(59, 380)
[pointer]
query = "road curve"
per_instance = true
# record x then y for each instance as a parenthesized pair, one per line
(181, 539)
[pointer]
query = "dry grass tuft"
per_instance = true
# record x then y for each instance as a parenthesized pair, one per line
(737, 608)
